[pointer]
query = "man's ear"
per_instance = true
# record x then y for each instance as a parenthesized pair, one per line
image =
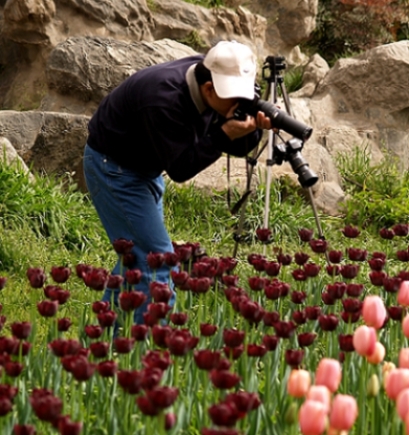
(208, 88)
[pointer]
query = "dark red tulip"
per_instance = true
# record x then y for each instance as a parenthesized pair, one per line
(206, 359)
(386, 234)
(115, 281)
(256, 283)
(356, 254)
(354, 290)
(256, 350)
(251, 258)
(107, 369)
(170, 420)
(68, 427)
(9, 345)
(233, 353)
(312, 270)
(319, 246)
(205, 269)
(81, 269)
(299, 274)
(272, 291)
(376, 277)
(270, 342)
(199, 285)
(179, 278)
(284, 259)
(93, 331)
(233, 337)
(402, 255)
(146, 406)
(21, 330)
(301, 258)
(349, 271)
(60, 274)
(401, 230)
(45, 405)
(155, 260)
(171, 259)
(252, 311)
(222, 431)
(391, 284)
(3, 281)
(184, 252)
(23, 348)
(180, 342)
(99, 349)
(150, 320)
(57, 294)
(259, 264)
(47, 308)
(351, 305)
(270, 317)
(350, 231)
(396, 313)
(232, 292)
(299, 317)
(36, 276)
(404, 275)
(64, 324)
(63, 346)
(130, 381)
(346, 342)
(230, 280)
(272, 268)
(122, 246)
(107, 319)
(5, 406)
(8, 391)
(133, 276)
(328, 322)
(100, 307)
(81, 368)
(229, 263)
(305, 234)
(263, 234)
(224, 379)
(207, 330)
(333, 269)
(298, 297)
(128, 260)
(350, 317)
(163, 396)
(294, 357)
(159, 310)
(24, 429)
(306, 338)
(160, 292)
(13, 368)
(313, 312)
(151, 377)
(159, 334)
(244, 401)
(335, 256)
(157, 359)
(139, 332)
(96, 278)
(123, 345)
(284, 329)
(377, 264)
(178, 319)
(224, 414)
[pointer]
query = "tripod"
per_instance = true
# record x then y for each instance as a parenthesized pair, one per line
(271, 73)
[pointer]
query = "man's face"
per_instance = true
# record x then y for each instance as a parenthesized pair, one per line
(221, 105)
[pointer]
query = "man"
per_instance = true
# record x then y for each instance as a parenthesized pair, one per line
(178, 118)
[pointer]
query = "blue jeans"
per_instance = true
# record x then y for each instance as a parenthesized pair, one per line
(130, 207)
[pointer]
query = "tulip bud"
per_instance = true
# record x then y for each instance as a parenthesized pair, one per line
(372, 387)
(386, 369)
(290, 416)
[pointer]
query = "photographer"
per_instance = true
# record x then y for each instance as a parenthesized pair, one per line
(176, 117)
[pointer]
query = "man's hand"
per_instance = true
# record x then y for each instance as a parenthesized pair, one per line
(235, 128)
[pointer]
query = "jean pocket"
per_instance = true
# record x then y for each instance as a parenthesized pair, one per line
(91, 175)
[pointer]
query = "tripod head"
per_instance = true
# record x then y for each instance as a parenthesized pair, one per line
(272, 67)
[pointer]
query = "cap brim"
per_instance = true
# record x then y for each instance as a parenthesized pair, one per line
(233, 87)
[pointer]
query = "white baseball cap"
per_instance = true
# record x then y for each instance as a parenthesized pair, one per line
(233, 68)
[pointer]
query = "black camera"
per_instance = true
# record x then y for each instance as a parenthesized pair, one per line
(290, 151)
(278, 118)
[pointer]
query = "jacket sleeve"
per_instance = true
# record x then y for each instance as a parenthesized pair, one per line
(181, 150)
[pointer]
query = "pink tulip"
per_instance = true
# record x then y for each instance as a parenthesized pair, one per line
(404, 358)
(364, 340)
(298, 383)
(402, 403)
(312, 418)
(405, 325)
(397, 380)
(329, 373)
(378, 354)
(344, 411)
(374, 311)
(320, 393)
(403, 294)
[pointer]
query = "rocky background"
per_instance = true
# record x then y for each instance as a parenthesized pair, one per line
(59, 58)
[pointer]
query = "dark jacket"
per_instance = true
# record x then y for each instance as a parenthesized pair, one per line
(150, 124)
